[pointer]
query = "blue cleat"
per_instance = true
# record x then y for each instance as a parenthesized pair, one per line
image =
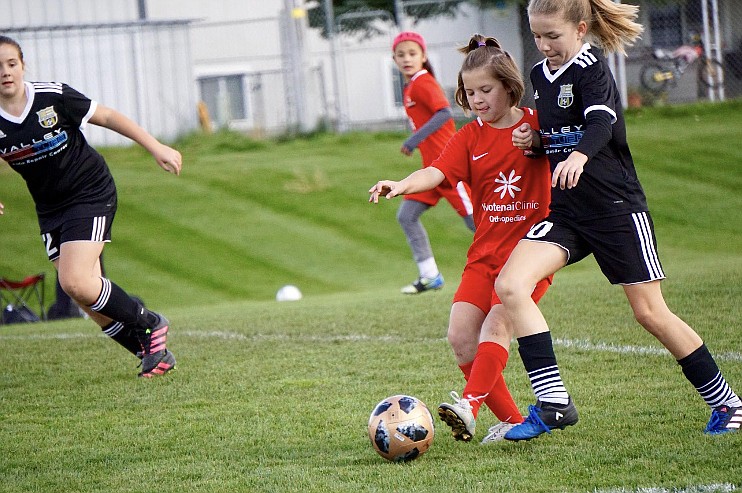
(724, 419)
(424, 284)
(542, 418)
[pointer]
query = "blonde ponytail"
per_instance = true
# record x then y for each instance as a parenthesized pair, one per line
(612, 25)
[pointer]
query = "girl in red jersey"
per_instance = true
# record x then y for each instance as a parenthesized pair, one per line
(511, 193)
(431, 120)
(75, 197)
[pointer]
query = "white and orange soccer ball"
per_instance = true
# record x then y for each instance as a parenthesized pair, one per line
(401, 428)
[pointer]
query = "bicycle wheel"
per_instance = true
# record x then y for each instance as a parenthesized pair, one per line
(710, 73)
(655, 78)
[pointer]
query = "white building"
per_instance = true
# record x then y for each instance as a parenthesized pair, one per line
(256, 64)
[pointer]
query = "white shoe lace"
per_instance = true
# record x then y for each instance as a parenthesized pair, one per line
(460, 401)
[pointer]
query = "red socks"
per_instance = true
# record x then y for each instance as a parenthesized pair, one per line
(486, 385)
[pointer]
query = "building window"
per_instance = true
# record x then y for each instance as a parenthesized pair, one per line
(398, 87)
(225, 98)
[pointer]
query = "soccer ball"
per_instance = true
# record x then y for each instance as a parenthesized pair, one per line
(288, 293)
(401, 428)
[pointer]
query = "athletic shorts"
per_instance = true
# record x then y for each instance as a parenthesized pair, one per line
(459, 197)
(478, 287)
(624, 246)
(97, 229)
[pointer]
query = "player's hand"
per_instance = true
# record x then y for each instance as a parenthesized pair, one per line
(523, 137)
(384, 188)
(567, 173)
(1, 208)
(406, 150)
(169, 159)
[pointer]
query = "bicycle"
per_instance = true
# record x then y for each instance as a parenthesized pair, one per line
(659, 75)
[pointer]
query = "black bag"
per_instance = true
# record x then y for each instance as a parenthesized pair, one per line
(13, 314)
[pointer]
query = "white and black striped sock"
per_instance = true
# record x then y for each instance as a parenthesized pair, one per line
(718, 393)
(537, 353)
(702, 372)
(548, 386)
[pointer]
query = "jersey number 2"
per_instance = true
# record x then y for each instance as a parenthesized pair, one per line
(50, 250)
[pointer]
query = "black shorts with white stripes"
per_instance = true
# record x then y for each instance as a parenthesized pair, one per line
(97, 229)
(624, 246)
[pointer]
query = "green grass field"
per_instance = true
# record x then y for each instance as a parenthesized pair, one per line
(276, 396)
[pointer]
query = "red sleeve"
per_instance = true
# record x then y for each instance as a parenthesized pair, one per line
(454, 159)
(429, 92)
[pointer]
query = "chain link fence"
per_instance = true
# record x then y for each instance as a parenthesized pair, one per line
(691, 50)
(303, 67)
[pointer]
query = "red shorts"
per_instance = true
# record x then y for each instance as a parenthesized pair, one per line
(478, 287)
(459, 197)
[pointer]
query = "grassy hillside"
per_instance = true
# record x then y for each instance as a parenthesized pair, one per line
(275, 397)
(247, 217)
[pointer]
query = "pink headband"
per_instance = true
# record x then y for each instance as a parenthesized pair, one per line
(408, 36)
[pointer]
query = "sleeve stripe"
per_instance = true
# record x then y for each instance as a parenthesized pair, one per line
(89, 114)
(602, 107)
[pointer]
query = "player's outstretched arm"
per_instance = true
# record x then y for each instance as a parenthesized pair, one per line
(167, 158)
(419, 181)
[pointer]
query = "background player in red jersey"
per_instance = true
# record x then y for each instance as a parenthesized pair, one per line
(510, 193)
(431, 120)
(75, 197)
(597, 207)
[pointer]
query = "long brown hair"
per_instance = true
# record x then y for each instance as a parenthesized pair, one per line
(613, 25)
(487, 52)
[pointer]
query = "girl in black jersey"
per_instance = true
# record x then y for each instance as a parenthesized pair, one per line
(597, 207)
(75, 197)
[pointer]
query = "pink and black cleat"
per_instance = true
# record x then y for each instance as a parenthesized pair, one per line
(156, 359)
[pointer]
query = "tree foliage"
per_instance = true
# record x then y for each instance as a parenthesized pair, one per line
(367, 14)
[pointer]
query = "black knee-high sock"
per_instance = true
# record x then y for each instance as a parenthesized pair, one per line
(124, 336)
(701, 371)
(537, 353)
(114, 303)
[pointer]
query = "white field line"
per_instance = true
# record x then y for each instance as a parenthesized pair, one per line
(583, 344)
(701, 488)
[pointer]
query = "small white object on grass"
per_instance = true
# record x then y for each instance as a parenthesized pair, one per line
(288, 293)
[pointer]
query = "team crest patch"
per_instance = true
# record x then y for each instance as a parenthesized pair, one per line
(48, 117)
(565, 98)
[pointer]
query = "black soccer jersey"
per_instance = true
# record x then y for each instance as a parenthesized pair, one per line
(566, 100)
(64, 174)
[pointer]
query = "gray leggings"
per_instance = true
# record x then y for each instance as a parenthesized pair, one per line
(408, 216)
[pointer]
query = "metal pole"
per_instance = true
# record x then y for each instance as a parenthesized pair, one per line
(295, 55)
(707, 42)
(330, 28)
(142, 7)
(717, 48)
(399, 15)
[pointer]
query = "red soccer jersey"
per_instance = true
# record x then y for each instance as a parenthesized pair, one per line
(423, 97)
(509, 192)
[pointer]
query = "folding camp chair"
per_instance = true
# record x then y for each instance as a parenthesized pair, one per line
(15, 296)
